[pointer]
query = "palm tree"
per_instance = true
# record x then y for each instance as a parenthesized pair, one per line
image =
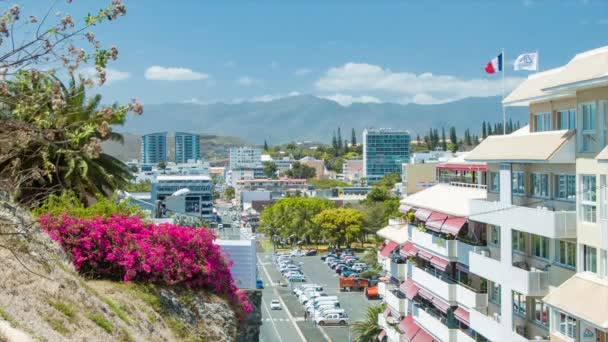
(50, 139)
(367, 329)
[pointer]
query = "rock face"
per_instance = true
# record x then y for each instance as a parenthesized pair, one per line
(250, 329)
(43, 298)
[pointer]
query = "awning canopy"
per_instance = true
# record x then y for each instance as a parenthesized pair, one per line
(408, 327)
(425, 255)
(462, 267)
(440, 304)
(381, 335)
(582, 297)
(388, 248)
(453, 225)
(435, 221)
(462, 315)
(422, 214)
(439, 263)
(462, 167)
(404, 208)
(422, 336)
(409, 288)
(396, 234)
(426, 295)
(409, 250)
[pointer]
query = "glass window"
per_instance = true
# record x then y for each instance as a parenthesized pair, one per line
(567, 325)
(567, 119)
(589, 124)
(494, 182)
(540, 185)
(495, 293)
(519, 241)
(588, 191)
(565, 253)
(540, 312)
(542, 122)
(494, 235)
(590, 258)
(540, 246)
(565, 187)
(518, 186)
(519, 303)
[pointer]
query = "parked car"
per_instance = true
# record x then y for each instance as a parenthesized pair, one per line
(333, 318)
(275, 304)
(311, 252)
(259, 284)
(296, 278)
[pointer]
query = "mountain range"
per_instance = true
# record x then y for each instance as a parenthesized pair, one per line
(310, 118)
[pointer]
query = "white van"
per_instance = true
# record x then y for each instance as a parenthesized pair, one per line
(322, 313)
(301, 289)
(313, 304)
(323, 306)
(324, 299)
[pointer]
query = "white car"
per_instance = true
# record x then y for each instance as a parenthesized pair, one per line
(275, 305)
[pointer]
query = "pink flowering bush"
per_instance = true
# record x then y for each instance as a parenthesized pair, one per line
(130, 249)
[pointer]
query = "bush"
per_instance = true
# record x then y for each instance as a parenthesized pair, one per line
(130, 249)
(69, 204)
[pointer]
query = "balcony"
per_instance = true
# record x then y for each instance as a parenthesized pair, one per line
(382, 289)
(487, 326)
(444, 288)
(451, 250)
(392, 333)
(396, 301)
(398, 270)
(541, 221)
(530, 282)
(470, 298)
(433, 324)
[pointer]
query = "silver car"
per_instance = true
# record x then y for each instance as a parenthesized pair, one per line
(333, 319)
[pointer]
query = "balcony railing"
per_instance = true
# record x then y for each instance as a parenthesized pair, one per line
(468, 185)
(396, 301)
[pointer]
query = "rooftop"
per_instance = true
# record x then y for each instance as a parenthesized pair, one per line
(267, 180)
(445, 198)
(161, 178)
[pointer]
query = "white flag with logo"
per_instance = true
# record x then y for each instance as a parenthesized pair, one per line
(527, 61)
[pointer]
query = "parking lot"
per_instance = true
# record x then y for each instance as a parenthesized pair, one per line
(289, 325)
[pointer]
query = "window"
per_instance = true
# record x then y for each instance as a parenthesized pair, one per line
(589, 124)
(567, 325)
(566, 119)
(540, 246)
(542, 122)
(540, 312)
(590, 259)
(494, 182)
(494, 235)
(518, 186)
(565, 253)
(588, 191)
(604, 263)
(495, 293)
(519, 241)
(519, 303)
(565, 187)
(540, 185)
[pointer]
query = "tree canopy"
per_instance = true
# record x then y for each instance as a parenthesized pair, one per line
(301, 171)
(340, 226)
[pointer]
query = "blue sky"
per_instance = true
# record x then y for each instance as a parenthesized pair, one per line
(397, 51)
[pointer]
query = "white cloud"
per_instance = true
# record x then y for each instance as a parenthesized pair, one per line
(160, 73)
(409, 87)
(347, 100)
(247, 81)
(302, 72)
(112, 75)
(195, 100)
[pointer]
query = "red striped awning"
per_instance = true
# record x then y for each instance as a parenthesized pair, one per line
(409, 288)
(462, 315)
(453, 225)
(404, 208)
(426, 295)
(435, 221)
(425, 255)
(408, 327)
(439, 263)
(422, 336)
(462, 167)
(381, 335)
(422, 214)
(440, 304)
(388, 249)
(387, 312)
(409, 250)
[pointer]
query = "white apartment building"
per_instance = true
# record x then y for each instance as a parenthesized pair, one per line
(537, 264)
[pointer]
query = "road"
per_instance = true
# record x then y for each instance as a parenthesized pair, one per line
(277, 325)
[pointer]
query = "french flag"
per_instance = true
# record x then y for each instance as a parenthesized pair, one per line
(494, 65)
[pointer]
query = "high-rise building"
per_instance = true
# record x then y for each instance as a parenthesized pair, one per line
(530, 260)
(187, 147)
(384, 150)
(154, 148)
(247, 158)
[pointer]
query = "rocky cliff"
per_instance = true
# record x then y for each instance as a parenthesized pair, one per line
(43, 298)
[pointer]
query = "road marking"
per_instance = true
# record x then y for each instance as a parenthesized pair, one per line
(272, 321)
(276, 293)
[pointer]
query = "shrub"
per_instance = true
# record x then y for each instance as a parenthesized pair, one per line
(69, 204)
(130, 249)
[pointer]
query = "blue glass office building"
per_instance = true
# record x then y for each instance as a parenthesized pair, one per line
(154, 148)
(187, 147)
(384, 150)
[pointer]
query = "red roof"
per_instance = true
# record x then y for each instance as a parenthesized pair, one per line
(422, 214)
(422, 336)
(453, 225)
(388, 249)
(409, 327)
(435, 221)
(462, 167)
(409, 288)
(441, 305)
(409, 250)
(462, 315)
(439, 263)
(425, 255)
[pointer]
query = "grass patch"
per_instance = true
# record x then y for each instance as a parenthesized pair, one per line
(64, 307)
(124, 336)
(5, 316)
(101, 321)
(147, 294)
(178, 327)
(56, 324)
(117, 310)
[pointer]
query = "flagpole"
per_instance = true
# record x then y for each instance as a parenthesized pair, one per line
(504, 114)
